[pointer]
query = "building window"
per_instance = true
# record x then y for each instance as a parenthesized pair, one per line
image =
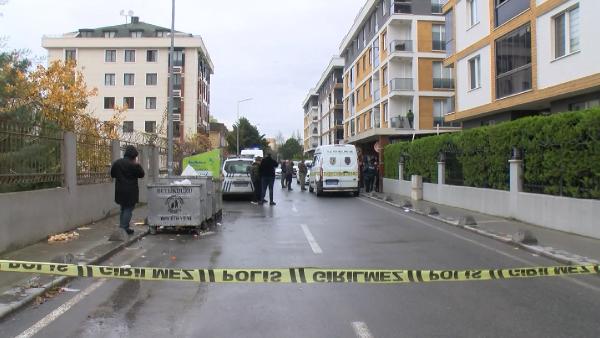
(513, 62)
(364, 92)
(508, 9)
(150, 127)
(151, 103)
(384, 40)
(151, 79)
(110, 55)
(442, 76)
(402, 6)
(384, 76)
(438, 112)
(110, 34)
(438, 37)
(151, 55)
(449, 28)
(176, 129)
(109, 103)
(128, 126)
(129, 102)
(176, 81)
(384, 7)
(136, 34)
(109, 79)
(472, 11)
(436, 6)
(86, 34)
(129, 79)
(162, 34)
(566, 32)
(129, 55)
(70, 55)
(178, 58)
(475, 72)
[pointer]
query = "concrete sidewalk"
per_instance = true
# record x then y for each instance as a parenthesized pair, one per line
(91, 247)
(563, 247)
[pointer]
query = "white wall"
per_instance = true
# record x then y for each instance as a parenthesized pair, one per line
(584, 63)
(468, 98)
(465, 35)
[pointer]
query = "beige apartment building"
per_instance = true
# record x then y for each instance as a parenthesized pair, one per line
(395, 83)
(129, 65)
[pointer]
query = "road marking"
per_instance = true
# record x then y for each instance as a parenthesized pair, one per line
(52, 316)
(519, 259)
(59, 311)
(311, 240)
(361, 330)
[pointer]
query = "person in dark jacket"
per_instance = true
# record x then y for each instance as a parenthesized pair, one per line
(267, 177)
(289, 174)
(369, 175)
(256, 183)
(283, 169)
(126, 172)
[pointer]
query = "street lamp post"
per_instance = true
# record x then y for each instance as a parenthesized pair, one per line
(170, 111)
(238, 127)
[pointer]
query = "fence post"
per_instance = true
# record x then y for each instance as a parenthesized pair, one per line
(69, 160)
(416, 192)
(516, 181)
(115, 150)
(441, 169)
(401, 170)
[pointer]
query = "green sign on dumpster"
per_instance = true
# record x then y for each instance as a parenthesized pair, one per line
(209, 162)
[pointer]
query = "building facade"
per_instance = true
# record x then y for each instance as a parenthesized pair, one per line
(327, 128)
(514, 58)
(218, 136)
(395, 83)
(129, 66)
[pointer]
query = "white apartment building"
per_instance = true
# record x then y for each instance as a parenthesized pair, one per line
(515, 58)
(129, 66)
(323, 108)
(395, 83)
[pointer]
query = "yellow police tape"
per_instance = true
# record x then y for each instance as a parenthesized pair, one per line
(293, 275)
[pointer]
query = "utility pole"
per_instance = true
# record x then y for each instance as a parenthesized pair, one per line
(238, 122)
(170, 113)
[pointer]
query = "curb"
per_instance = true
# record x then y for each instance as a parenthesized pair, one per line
(507, 239)
(36, 292)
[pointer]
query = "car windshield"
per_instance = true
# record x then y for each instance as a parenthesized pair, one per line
(237, 167)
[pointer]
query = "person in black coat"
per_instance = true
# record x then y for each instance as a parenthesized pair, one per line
(126, 172)
(267, 177)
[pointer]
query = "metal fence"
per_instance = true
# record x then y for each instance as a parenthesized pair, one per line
(93, 159)
(30, 156)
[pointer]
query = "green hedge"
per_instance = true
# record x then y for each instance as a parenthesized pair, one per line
(561, 154)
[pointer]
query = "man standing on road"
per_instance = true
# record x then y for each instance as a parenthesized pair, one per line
(267, 177)
(256, 183)
(283, 168)
(127, 171)
(369, 175)
(289, 174)
(302, 171)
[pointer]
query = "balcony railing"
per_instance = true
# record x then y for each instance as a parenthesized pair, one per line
(401, 84)
(402, 7)
(444, 83)
(438, 45)
(401, 46)
(400, 122)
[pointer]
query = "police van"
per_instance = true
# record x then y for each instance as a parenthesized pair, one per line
(236, 176)
(334, 169)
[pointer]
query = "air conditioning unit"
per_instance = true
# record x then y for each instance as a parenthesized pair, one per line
(176, 117)
(177, 70)
(177, 93)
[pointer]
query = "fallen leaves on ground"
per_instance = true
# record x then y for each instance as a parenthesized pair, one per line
(64, 237)
(48, 295)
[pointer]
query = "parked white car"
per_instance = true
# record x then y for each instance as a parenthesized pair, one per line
(236, 176)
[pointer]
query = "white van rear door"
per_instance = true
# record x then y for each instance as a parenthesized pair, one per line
(347, 165)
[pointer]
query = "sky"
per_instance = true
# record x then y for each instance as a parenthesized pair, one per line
(273, 51)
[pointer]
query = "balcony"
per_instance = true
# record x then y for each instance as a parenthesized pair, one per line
(443, 83)
(438, 45)
(449, 107)
(401, 46)
(436, 8)
(401, 84)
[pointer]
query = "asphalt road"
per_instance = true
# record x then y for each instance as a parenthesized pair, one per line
(333, 231)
